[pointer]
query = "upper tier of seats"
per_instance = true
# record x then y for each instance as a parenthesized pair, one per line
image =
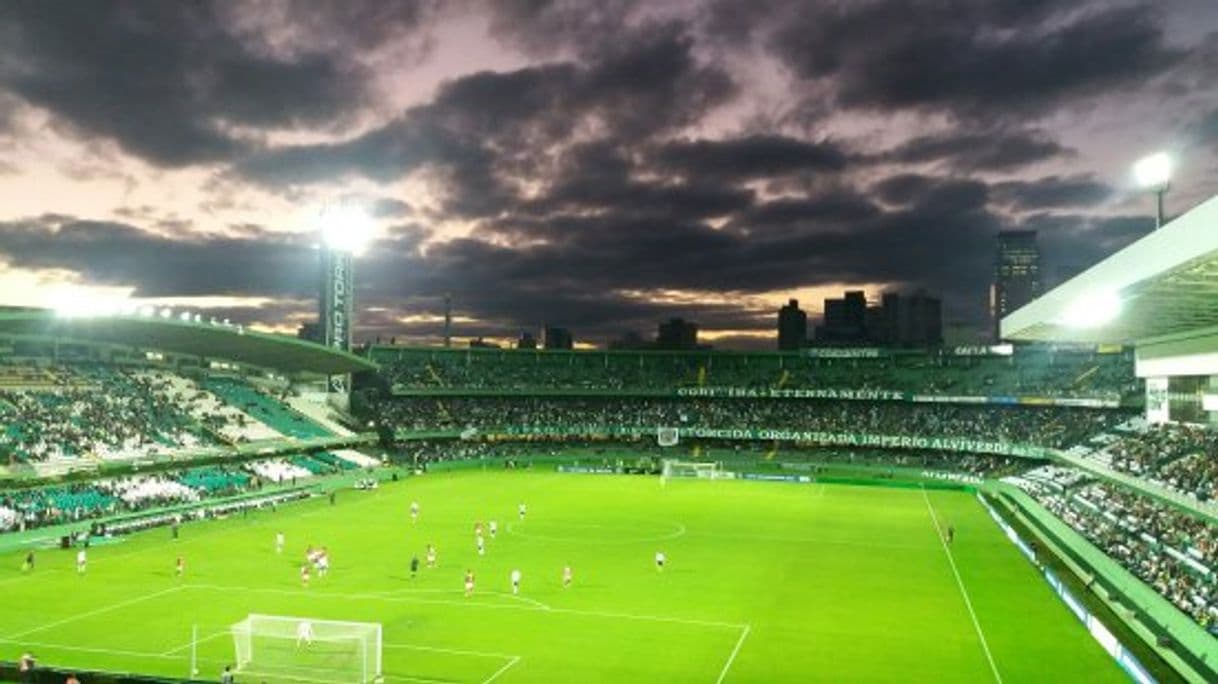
(51, 413)
(1029, 371)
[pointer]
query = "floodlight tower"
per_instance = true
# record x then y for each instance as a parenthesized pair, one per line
(1153, 173)
(345, 234)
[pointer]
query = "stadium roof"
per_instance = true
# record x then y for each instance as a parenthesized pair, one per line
(175, 336)
(1166, 284)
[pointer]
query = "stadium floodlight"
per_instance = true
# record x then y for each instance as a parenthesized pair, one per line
(347, 229)
(1153, 173)
(1092, 310)
(166, 313)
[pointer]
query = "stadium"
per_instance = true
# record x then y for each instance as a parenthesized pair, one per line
(174, 490)
(321, 362)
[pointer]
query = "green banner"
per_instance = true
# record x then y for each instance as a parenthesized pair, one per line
(962, 444)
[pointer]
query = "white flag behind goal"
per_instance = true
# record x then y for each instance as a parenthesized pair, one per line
(308, 648)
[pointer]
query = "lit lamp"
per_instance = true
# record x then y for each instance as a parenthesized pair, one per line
(1153, 173)
(347, 230)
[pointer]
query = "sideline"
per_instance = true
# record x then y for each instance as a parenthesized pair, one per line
(960, 583)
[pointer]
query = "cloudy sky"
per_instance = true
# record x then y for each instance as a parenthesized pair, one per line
(600, 165)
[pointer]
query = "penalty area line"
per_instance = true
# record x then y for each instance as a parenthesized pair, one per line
(505, 668)
(98, 611)
(963, 592)
(732, 658)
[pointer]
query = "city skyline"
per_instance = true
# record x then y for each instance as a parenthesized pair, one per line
(596, 166)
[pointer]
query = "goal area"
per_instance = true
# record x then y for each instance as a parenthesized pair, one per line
(691, 469)
(308, 649)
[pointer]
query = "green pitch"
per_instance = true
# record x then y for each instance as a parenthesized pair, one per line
(766, 582)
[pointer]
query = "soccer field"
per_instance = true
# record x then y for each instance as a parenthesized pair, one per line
(766, 582)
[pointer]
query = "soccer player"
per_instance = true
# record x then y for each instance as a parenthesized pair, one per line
(29, 562)
(515, 581)
(323, 563)
(481, 546)
(279, 542)
(304, 633)
(431, 556)
(469, 583)
(82, 560)
(951, 533)
(566, 576)
(494, 527)
(660, 559)
(304, 575)
(414, 566)
(521, 510)
(414, 511)
(180, 566)
(477, 528)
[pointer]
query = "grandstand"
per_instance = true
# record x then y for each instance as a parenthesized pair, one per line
(219, 443)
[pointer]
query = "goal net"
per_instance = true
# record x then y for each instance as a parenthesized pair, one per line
(706, 471)
(277, 646)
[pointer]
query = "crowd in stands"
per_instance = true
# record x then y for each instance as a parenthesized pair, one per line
(1041, 426)
(41, 506)
(1180, 457)
(67, 411)
(1039, 373)
(99, 410)
(1172, 551)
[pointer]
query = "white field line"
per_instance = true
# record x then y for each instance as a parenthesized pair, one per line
(188, 644)
(512, 659)
(297, 678)
(86, 649)
(282, 514)
(732, 658)
(518, 597)
(505, 668)
(678, 530)
(457, 592)
(98, 611)
(960, 583)
(492, 606)
(452, 651)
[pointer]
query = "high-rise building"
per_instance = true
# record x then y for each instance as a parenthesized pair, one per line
(914, 320)
(557, 338)
(845, 320)
(792, 327)
(1017, 277)
(677, 333)
(900, 320)
(526, 340)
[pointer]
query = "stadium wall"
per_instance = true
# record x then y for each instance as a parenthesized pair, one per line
(1098, 630)
(1184, 644)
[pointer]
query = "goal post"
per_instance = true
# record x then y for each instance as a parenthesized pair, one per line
(280, 646)
(690, 469)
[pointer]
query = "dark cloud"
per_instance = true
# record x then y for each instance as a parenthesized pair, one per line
(543, 27)
(998, 150)
(752, 156)
(991, 60)
(251, 261)
(485, 132)
(1051, 192)
(165, 81)
(835, 209)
